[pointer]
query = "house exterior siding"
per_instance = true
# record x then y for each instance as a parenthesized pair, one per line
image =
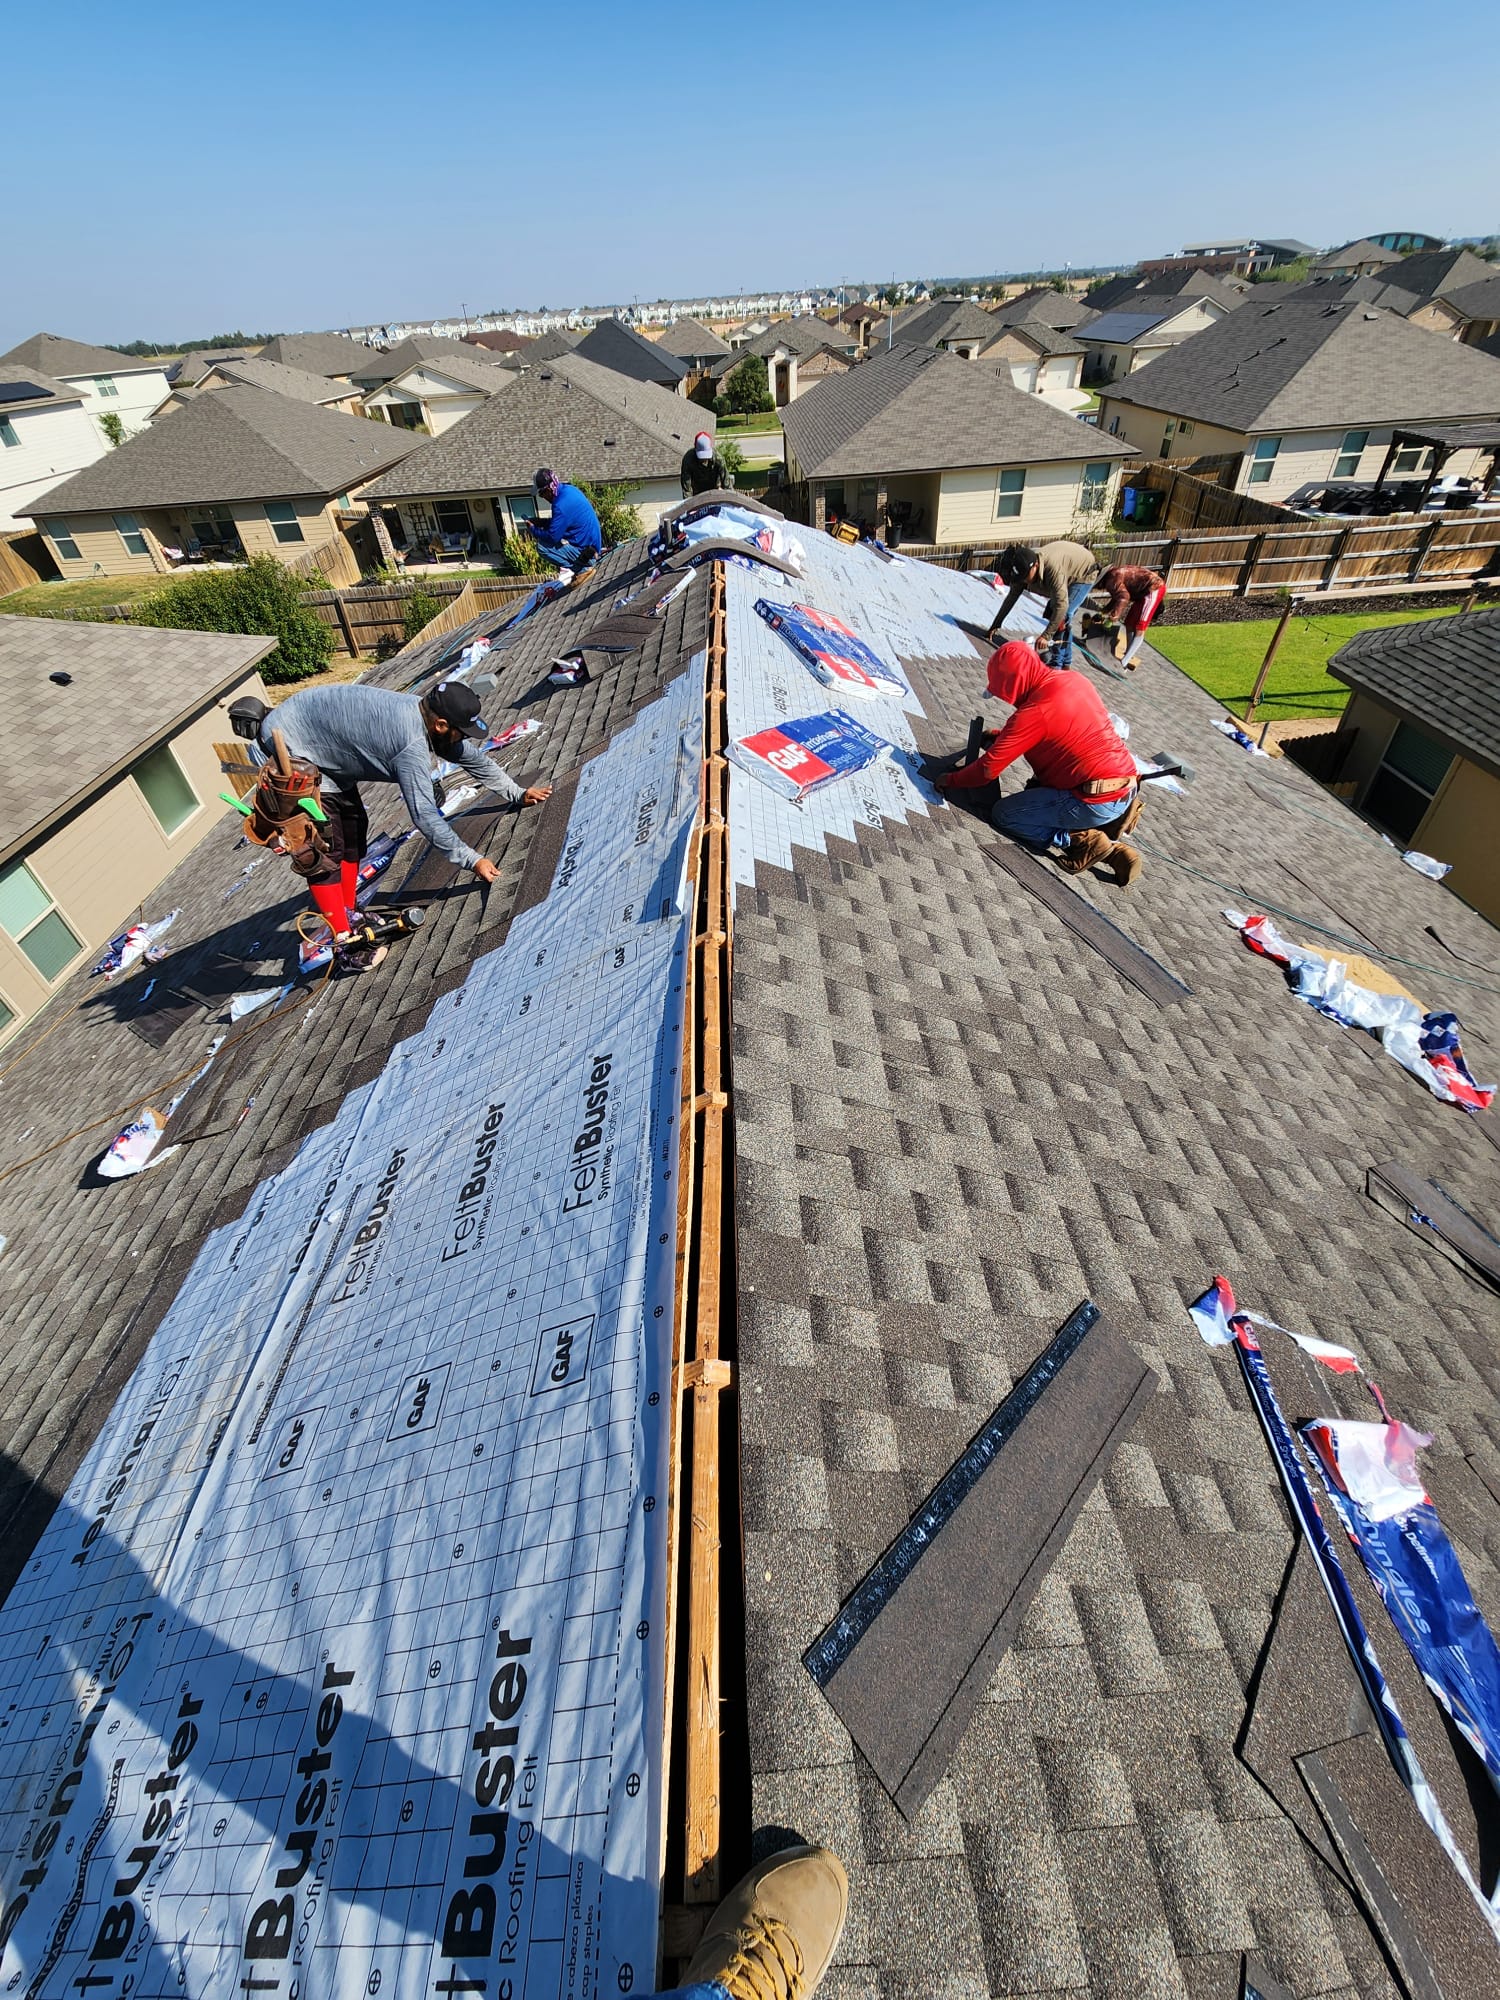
(112, 854)
(139, 393)
(52, 444)
(495, 517)
(1050, 503)
(102, 548)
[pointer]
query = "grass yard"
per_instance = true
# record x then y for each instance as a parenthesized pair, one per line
(47, 600)
(1224, 659)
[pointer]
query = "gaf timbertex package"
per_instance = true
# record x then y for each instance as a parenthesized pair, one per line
(827, 647)
(806, 753)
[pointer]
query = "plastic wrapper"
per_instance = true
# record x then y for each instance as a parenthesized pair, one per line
(804, 755)
(832, 652)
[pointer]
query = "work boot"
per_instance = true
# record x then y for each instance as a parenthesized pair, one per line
(354, 956)
(1084, 851)
(774, 1935)
(1121, 642)
(1124, 863)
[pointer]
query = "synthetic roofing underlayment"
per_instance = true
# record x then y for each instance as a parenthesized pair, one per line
(358, 1402)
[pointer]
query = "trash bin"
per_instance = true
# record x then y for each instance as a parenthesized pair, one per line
(1147, 511)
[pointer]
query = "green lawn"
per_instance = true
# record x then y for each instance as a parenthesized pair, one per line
(1224, 659)
(46, 600)
(758, 420)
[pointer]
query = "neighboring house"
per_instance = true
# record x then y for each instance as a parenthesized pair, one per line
(318, 353)
(1434, 274)
(944, 450)
(1248, 255)
(1351, 292)
(612, 344)
(1041, 360)
(1299, 395)
(589, 423)
(503, 340)
(114, 778)
(1424, 759)
(1127, 291)
(46, 434)
(239, 472)
(190, 370)
(1119, 342)
(860, 319)
(694, 343)
(377, 366)
(958, 326)
(1405, 241)
(435, 395)
(557, 341)
(797, 352)
(132, 387)
(1471, 314)
(1360, 259)
(327, 391)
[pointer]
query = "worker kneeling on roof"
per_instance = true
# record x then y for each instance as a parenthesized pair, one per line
(338, 738)
(1083, 794)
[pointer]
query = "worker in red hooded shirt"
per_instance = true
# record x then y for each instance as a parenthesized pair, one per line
(1083, 791)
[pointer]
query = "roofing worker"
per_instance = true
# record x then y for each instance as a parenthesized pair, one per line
(1065, 573)
(1135, 597)
(1083, 790)
(703, 471)
(571, 538)
(345, 736)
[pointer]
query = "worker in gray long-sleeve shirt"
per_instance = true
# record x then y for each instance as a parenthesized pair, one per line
(351, 735)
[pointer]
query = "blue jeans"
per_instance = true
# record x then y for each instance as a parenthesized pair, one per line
(1061, 654)
(1040, 817)
(566, 555)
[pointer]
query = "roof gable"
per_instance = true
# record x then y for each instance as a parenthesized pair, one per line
(319, 353)
(916, 409)
(453, 371)
(1444, 673)
(690, 339)
(1432, 273)
(255, 372)
(232, 444)
(614, 345)
(62, 358)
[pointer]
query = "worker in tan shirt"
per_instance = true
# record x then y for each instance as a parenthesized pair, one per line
(1064, 573)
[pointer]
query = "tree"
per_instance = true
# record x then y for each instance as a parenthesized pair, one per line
(1294, 273)
(113, 426)
(747, 388)
(257, 596)
(618, 520)
(730, 453)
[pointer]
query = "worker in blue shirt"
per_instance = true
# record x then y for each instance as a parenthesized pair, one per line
(571, 539)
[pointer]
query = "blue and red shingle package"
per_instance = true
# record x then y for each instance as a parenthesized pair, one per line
(829, 649)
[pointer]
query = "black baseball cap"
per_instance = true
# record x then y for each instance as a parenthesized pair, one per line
(458, 706)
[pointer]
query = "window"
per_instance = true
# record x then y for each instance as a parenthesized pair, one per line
(282, 516)
(1412, 458)
(1263, 460)
(62, 541)
(453, 517)
(1094, 490)
(104, 385)
(345, 504)
(130, 535)
(165, 789)
(522, 507)
(7, 1017)
(1185, 429)
(1009, 493)
(28, 916)
(1346, 465)
(1406, 781)
(9, 435)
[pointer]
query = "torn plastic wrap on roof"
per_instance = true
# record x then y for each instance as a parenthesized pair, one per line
(802, 755)
(138, 943)
(733, 524)
(1371, 1474)
(1427, 1044)
(134, 1148)
(832, 651)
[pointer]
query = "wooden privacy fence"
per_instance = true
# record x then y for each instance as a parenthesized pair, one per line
(375, 614)
(15, 571)
(335, 561)
(1191, 503)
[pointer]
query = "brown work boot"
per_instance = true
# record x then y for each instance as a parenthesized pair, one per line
(774, 1935)
(1084, 851)
(1124, 863)
(1121, 642)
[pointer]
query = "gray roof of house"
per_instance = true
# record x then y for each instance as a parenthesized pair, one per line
(1480, 300)
(690, 339)
(1133, 286)
(62, 357)
(1301, 366)
(232, 444)
(50, 393)
(319, 353)
(131, 687)
(1125, 324)
(1364, 290)
(612, 344)
(1360, 251)
(1052, 309)
(800, 336)
(191, 369)
(479, 372)
(1442, 674)
(549, 345)
(1432, 274)
(255, 372)
(1046, 339)
(589, 422)
(947, 319)
(916, 409)
(375, 366)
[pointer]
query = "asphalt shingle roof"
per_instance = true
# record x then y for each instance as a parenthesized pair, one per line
(1046, 339)
(916, 409)
(548, 346)
(801, 336)
(612, 344)
(471, 369)
(232, 444)
(947, 319)
(376, 367)
(1481, 300)
(1302, 366)
(63, 357)
(1361, 251)
(1432, 274)
(1125, 324)
(319, 353)
(255, 372)
(131, 687)
(690, 339)
(49, 392)
(1443, 674)
(1363, 290)
(587, 421)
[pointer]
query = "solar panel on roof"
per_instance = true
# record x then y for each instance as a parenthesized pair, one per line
(23, 392)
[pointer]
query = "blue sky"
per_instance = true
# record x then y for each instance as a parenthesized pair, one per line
(178, 170)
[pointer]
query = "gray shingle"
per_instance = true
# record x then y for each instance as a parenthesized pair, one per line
(60, 356)
(690, 339)
(42, 391)
(613, 345)
(1443, 674)
(319, 353)
(255, 372)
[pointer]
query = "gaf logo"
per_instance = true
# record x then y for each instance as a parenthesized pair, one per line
(420, 1403)
(291, 1446)
(562, 1354)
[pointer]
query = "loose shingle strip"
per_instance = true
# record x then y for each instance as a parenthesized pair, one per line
(1144, 972)
(907, 1660)
(1434, 1216)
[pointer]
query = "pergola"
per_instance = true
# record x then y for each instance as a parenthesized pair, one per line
(1444, 440)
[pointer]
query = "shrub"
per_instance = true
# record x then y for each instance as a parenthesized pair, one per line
(618, 520)
(419, 609)
(113, 426)
(733, 457)
(748, 387)
(257, 596)
(520, 556)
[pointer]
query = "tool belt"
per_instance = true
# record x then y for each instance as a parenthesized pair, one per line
(276, 818)
(1104, 788)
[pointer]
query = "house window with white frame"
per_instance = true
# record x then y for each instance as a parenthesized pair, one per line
(1010, 491)
(32, 920)
(1351, 451)
(104, 385)
(1263, 460)
(285, 526)
(166, 788)
(1412, 458)
(1094, 490)
(9, 435)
